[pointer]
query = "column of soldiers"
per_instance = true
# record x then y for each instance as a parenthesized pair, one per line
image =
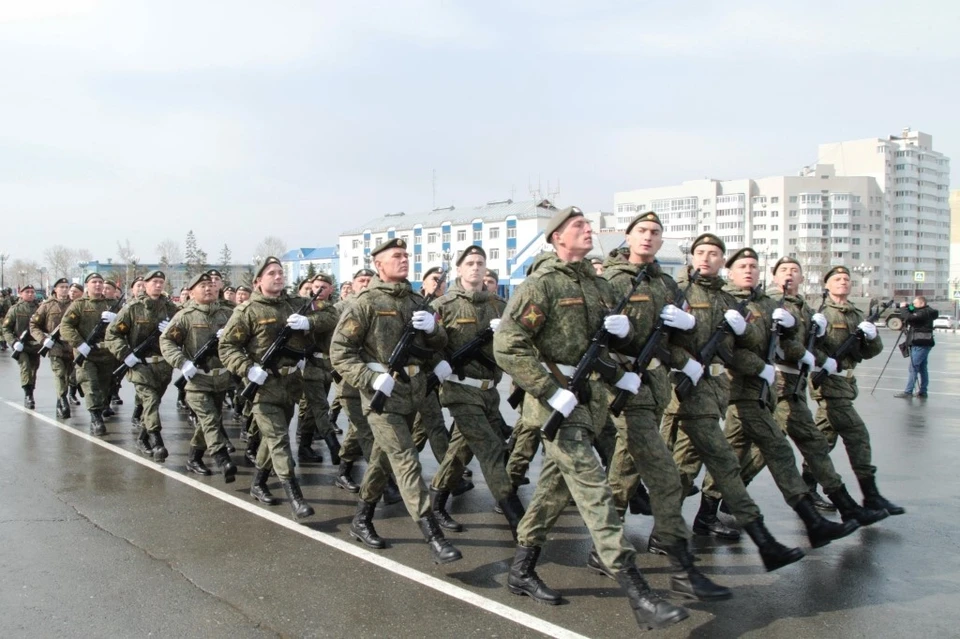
(681, 355)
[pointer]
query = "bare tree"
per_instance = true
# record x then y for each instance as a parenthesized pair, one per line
(169, 252)
(270, 245)
(24, 272)
(126, 253)
(60, 260)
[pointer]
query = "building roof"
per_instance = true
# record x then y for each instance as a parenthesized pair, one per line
(307, 253)
(489, 212)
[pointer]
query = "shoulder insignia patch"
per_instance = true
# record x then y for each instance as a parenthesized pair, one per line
(532, 316)
(350, 328)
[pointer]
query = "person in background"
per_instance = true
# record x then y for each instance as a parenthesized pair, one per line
(919, 340)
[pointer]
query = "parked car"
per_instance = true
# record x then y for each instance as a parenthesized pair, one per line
(944, 321)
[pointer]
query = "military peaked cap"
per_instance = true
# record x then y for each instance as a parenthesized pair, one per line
(392, 243)
(364, 272)
(197, 279)
(558, 220)
(267, 262)
(786, 259)
(431, 271)
(711, 239)
(244, 288)
(323, 277)
(93, 276)
(471, 250)
(745, 253)
(62, 280)
(214, 273)
(158, 274)
(649, 216)
(836, 270)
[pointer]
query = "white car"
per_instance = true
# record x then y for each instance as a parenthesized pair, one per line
(944, 321)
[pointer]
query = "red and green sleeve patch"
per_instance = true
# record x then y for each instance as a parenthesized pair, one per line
(532, 317)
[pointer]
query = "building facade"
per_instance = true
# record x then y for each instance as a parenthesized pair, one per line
(297, 262)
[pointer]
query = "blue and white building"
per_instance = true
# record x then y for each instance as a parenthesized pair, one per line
(325, 259)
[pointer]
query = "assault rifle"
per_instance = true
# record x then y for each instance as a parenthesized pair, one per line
(591, 362)
(469, 352)
(775, 332)
(277, 349)
(138, 352)
(653, 346)
(396, 365)
(97, 333)
(23, 338)
(811, 343)
(209, 347)
(848, 345)
(55, 336)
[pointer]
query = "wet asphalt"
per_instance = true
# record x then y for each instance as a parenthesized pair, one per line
(97, 543)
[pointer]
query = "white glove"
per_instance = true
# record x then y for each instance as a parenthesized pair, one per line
(768, 374)
(563, 401)
(301, 364)
(830, 365)
(163, 325)
(257, 375)
(869, 330)
(735, 321)
(18, 346)
(617, 325)
(189, 369)
(424, 321)
(442, 370)
(783, 318)
(84, 349)
(693, 369)
(48, 343)
(677, 318)
(298, 322)
(220, 334)
(131, 360)
(107, 316)
(384, 383)
(821, 321)
(808, 359)
(630, 382)
(495, 324)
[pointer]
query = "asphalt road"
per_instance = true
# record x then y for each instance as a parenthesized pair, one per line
(99, 541)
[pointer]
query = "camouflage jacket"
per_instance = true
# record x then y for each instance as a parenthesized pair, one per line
(135, 324)
(81, 318)
(323, 319)
(801, 311)
(191, 328)
(251, 330)
(842, 320)
(656, 291)
(464, 315)
(369, 329)
(45, 321)
(343, 388)
(16, 322)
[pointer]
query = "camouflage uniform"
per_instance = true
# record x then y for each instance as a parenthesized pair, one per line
(42, 324)
(314, 418)
(16, 321)
(526, 442)
(96, 372)
(429, 426)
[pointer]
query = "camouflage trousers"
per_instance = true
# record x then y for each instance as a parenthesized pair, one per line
(273, 421)
(748, 423)
(96, 377)
(526, 438)
(429, 426)
(479, 427)
(358, 442)
(62, 368)
(838, 417)
(208, 434)
(150, 398)
(29, 365)
(700, 442)
(314, 410)
(394, 450)
(639, 446)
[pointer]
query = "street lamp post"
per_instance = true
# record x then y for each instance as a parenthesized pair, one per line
(863, 270)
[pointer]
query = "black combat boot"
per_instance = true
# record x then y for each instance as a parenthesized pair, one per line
(442, 551)
(115, 400)
(333, 444)
(821, 531)
(650, 611)
(226, 466)
(851, 510)
(774, 554)
(253, 445)
(438, 505)
(107, 411)
(655, 546)
(305, 452)
(182, 400)
(524, 580)
(301, 509)
(63, 407)
(391, 492)
(334, 414)
(873, 500)
(594, 563)
(512, 509)
(72, 394)
(344, 480)
(361, 528)
(259, 490)
(688, 581)
(28, 397)
(819, 502)
(135, 422)
(195, 462)
(156, 443)
(640, 502)
(223, 431)
(143, 443)
(463, 485)
(97, 427)
(707, 523)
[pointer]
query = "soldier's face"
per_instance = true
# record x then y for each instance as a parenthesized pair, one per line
(346, 291)
(708, 259)
(472, 270)
(322, 289)
(94, 288)
(306, 289)
(272, 281)
(242, 296)
(788, 273)
(75, 293)
(139, 288)
(230, 295)
(204, 292)
(28, 295)
(184, 295)
(576, 236)
(839, 285)
(62, 291)
(433, 285)
(154, 286)
(217, 282)
(110, 292)
(745, 273)
(645, 240)
(490, 283)
(393, 265)
(360, 283)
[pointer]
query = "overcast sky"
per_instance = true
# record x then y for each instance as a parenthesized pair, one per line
(240, 119)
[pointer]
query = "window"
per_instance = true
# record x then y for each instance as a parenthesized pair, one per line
(493, 233)
(417, 258)
(774, 200)
(431, 238)
(477, 235)
(356, 261)
(793, 198)
(356, 244)
(706, 201)
(378, 240)
(446, 237)
(417, 239)
(432, 257)
(494, 254)
(462, 235)
(511, 233)
(511, 253)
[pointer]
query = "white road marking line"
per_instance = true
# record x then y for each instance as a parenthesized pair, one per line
(349, 547)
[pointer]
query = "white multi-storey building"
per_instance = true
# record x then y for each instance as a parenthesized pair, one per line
(915, 180)
(510, 232)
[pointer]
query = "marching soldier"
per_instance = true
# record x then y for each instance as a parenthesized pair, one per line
(545, 330)
(243, 294)
(42, 325)
(369, 329)
(75, 292)
(112, 291)
(252, 329)
(96, 372)
(139, 324)
(230, 295)
(5, 304)
(137, 288)
(208, 380)
(836, 416)
(16, 330)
